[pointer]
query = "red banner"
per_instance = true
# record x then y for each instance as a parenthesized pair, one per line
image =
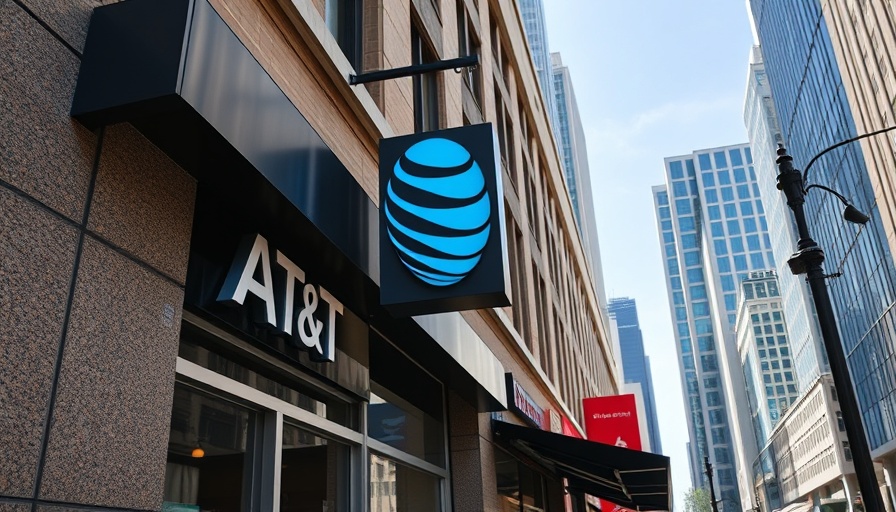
(612, 420)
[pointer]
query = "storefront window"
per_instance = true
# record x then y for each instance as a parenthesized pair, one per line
(314, 474)
(207, 453)
(395, 487)
(520, 489)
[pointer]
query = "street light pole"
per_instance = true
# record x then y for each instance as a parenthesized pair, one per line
(807, 260)
(712, 492)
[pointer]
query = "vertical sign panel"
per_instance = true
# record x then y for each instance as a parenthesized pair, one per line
(442, 233)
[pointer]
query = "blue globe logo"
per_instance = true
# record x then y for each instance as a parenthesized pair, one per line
(438, 213)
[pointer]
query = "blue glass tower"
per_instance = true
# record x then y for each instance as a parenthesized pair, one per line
(814, 113)
(713, 233)
(636, 365)
(537, 35)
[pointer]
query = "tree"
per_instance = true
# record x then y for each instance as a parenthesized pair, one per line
(697, 500)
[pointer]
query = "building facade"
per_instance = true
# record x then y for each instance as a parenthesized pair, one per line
(191, 267)
(635, 364)
(807, 353)
(537, 36)
(863, 37)
(809, 91)
(765, 352)
(807, 462)
(713, 232)
(574, 153)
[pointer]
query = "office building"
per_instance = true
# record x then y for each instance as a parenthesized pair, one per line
(809, 91)
(536, 30)
(194, 265)
(563, 111)
(864, 43)
(712, 232)
(574, 154)
(635, 364)
(765, 352)
(817, 471)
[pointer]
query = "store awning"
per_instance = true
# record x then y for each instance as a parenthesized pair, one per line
(798, 507)
(632, 479)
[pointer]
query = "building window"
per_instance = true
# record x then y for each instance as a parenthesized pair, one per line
(468, 44)
(343, 18)
(395, 486)
(426, 86)
(314, 470)
(210, 442)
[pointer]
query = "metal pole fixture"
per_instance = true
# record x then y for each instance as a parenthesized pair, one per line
(712, 492)
(807, 260)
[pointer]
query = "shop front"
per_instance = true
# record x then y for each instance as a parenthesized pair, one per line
(295, 390)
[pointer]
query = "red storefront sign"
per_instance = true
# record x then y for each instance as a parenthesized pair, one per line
(612, 420)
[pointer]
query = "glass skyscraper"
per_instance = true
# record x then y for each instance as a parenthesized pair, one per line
(814, 113)
(537, 35)
(574, 153)
(635, 364)
(566, 124)
(713, 232)
(764, 131)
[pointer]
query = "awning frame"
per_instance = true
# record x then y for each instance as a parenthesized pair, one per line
(633, 479)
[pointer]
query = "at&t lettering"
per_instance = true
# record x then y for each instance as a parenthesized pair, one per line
(241, 281)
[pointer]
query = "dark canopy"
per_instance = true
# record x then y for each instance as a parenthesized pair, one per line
(632, 479)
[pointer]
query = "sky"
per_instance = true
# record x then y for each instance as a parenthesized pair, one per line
(653, 79)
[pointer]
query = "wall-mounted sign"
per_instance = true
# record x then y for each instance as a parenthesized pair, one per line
(613, 420)
(521, 403)
(442, 234)
(290, 305)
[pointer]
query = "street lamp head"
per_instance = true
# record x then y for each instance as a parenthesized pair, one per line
(852, 214)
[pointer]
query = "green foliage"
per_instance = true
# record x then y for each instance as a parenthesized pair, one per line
(697, 500)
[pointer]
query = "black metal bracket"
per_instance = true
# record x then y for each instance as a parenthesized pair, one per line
(417, 69)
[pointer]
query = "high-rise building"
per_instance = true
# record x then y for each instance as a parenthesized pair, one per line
(532, 12)
(816, 470)
(865, 48)
(574, 155)
(764, 132)
(764, 352)
(635, 364)
(713, 232)
(809, 92)
(563, 112)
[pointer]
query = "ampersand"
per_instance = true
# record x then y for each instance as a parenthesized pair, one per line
(309, 328)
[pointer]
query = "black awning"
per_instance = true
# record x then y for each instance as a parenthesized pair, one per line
(632, 479)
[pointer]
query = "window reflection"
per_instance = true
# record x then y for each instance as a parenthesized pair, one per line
(314, 473)
(398, 488)
(206, 453)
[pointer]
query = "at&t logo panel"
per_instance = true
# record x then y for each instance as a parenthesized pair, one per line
(442, 240)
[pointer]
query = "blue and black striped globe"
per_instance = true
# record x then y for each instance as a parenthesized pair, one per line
(438, 211)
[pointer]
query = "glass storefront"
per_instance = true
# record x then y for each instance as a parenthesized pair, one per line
(245, 436)
(520, 488)
(314, 474)
(395, 487)
(207, 453)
